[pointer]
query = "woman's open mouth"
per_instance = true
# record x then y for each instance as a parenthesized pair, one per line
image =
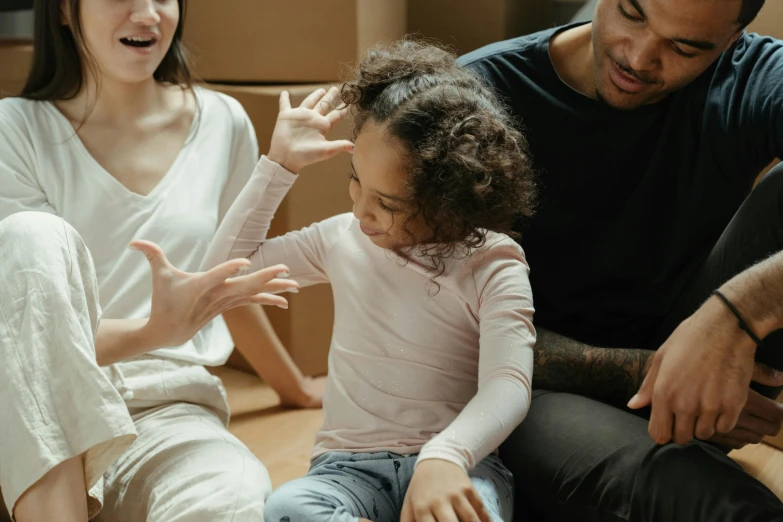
(139, 42)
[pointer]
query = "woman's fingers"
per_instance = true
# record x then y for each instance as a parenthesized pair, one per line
(261, 298)
(218, 275)
(264, 281)
(261, 281)
(153, 253)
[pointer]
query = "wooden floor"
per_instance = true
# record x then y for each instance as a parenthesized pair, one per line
(282, 439)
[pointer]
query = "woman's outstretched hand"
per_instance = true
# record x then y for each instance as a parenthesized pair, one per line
(299, 138)
(183, 303)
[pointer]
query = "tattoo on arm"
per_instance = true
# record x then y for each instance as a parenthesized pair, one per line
(611, 375)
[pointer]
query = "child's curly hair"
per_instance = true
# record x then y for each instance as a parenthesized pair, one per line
(468, 166)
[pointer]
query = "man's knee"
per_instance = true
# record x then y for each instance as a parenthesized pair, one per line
(665, 465)
(719, 488)
(772, 183)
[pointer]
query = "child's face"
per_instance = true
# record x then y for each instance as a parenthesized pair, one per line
(378, 190)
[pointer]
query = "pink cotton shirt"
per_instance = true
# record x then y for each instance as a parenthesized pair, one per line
(444, 374)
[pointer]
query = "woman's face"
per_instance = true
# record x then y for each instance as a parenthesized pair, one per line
(128, 38)
(378, 190)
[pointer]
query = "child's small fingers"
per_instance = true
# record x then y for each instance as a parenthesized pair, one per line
(406, 514)
(427, 516)
(312, 99)
(285, 101)
(332, 148)
(445, 513)
(328, 101)
(337, 115)
(478, 505)
(465, 510)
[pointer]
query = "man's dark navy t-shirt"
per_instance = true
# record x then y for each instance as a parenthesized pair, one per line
(632, 201)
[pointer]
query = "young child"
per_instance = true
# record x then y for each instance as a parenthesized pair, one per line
(431, 357)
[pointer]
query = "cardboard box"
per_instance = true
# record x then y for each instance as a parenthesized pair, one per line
(15, 62)
(275, 41)
(467, 24)
(770, 20)
(322, 191)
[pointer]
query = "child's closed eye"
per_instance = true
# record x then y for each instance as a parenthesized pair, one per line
(353, 177)
(386, 207)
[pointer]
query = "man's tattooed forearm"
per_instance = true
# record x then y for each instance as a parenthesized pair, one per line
(611, 375)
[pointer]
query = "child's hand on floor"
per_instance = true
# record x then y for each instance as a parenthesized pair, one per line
(440, 491)
(299, 138)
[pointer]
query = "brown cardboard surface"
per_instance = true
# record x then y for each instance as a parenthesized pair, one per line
(770, 20)
(15, 62)
(320, 192)
(274, 41)
(467, 24)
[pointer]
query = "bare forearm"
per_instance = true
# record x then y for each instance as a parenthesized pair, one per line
(611, 375)
(258, 343)
(758, 295)
(121, 339)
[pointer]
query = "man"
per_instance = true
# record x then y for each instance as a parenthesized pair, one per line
(649, 127)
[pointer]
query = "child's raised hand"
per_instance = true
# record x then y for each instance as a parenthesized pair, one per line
(440, 491)
(299, 138)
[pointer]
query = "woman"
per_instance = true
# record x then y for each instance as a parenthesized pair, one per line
(110, 143)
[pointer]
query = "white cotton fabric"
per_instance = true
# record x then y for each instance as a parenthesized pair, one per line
(152, 430)
(45, 167)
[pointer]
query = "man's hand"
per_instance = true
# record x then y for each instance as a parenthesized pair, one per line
(699, 380)
(761, 416)
(440, 491)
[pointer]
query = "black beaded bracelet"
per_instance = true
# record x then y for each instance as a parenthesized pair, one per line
(742, 324)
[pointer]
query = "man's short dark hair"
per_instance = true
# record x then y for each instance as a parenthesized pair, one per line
(750, 9)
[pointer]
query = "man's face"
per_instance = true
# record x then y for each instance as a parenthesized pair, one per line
(645, 49)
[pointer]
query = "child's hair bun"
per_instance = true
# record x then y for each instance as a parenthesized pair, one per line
(405, 65)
